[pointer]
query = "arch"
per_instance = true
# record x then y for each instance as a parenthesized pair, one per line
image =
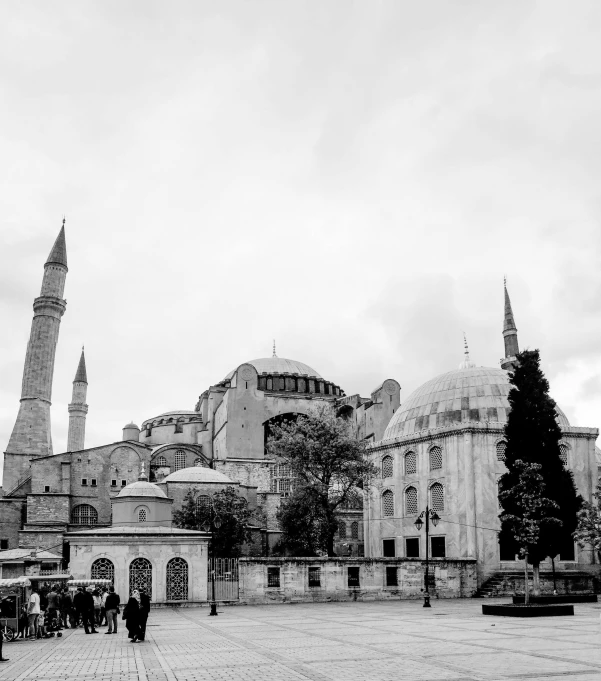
(410, 463)
(177, 579)
(411, 507)
(354, 530)
(388, 503)
(435, 454)
(160, 461)
(437, 497)
(179, 460)
(140, 576)
(563, 453)
(501, 449)
(277, 420)
(345, 412)
(387, 466)
(84, 514)
(102, 568)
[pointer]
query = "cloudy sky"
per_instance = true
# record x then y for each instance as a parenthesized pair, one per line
(352, 179)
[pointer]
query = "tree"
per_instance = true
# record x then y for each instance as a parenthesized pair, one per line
(588, 531)
(533, 513)
(533, 435)
(329, 464)
(231, 509)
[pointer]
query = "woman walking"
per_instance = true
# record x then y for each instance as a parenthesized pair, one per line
(131, 615)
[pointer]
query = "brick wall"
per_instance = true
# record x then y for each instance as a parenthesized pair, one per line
(47, 508)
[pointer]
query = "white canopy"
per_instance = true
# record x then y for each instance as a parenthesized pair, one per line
(16, 581)
(88, 582)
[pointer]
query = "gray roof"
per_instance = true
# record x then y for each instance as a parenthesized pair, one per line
(22, 554)
(279, 365)
(142, 488)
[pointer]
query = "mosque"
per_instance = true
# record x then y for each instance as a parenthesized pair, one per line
(442, 449)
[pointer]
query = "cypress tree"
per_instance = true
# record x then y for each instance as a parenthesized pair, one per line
(533, 435)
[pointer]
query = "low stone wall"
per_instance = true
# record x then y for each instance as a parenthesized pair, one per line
(291, 580)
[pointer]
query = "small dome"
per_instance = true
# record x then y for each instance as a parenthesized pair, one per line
(142, 488)
(131, 425)
(198, 474)
(279, 365)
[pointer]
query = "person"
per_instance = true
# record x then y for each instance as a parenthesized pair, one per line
(66, 605)
(23, 623)
(131, 614)
(88, 612)
(41, 624)
(97, 606)
(112, 609)
(54, 605)
(78, 605)
(103, 597)
(33, 611)
(144, 612)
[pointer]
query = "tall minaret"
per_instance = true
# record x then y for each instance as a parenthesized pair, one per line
(78, 408)
(510, 335)
(31, 434)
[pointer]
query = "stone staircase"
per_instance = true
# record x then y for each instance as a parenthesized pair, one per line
(510, 582)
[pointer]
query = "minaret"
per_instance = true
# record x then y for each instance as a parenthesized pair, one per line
(510, 334)
(467, 362)
(78, 408)
(31, 434)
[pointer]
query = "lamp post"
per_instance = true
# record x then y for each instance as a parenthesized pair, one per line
(214, 523)
(434, 517)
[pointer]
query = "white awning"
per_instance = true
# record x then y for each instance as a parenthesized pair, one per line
(89, 582)
(16, 581)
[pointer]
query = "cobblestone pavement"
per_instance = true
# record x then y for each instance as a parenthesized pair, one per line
(324, 642)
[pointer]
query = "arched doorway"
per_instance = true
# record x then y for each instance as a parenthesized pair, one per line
(103, 568)
(140, 576)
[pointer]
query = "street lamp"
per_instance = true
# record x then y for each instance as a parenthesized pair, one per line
(434, 517)
(214, 523)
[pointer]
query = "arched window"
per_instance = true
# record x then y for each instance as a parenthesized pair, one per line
(410, 463)
(563, 454)
(411, 501)
(84, 514)
(142, 515)
(160, 461)
(501, 449)
(342, 530)
(355, 530)
(179, 460)
(387, 467)
(203, 502)
(435, 458)
(437, 497)
(388, 503)
(102, 568)
(140, 576)
(177, 580)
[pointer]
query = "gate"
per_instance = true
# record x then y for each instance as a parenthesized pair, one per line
(225, 573)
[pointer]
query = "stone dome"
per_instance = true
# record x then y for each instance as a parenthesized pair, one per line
(198, 474)
(467, 394)
(279, 365)
(142, 488)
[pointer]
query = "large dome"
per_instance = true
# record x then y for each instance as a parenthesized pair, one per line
(472, 394)
(279, 365)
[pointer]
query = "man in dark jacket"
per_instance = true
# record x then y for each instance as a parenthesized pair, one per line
(88, 613)
(144, 611)
(79, 604)
(66, 606)
(112, 609)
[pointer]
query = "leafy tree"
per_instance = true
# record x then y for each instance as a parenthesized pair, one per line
(329, 464)
(588, 531)
(533, 435)
(231, 509)
(533, 513)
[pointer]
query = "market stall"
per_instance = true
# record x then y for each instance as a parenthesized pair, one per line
(14, 595)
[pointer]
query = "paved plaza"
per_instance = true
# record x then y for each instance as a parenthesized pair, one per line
(322, 642)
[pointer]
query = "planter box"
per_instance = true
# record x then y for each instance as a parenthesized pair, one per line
(536, 610)
(560, 598)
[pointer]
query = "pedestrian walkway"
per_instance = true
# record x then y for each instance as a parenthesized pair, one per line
(324, 642)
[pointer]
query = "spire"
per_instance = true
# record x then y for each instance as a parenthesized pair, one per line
(81, 376)
(274, 355)
(467, 362)
(58, 254)
(510, 333)
(142, 475)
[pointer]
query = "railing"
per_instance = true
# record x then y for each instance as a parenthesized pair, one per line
(59, 571)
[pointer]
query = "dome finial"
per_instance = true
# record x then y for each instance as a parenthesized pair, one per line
(467, 362)
(142, 475)
(274, 355)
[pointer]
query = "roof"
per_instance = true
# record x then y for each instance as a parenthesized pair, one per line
(81, 376)
(198, 474)
(142, 488)
(279, 365)
(468, 394)
(22, 554)
(58, 254)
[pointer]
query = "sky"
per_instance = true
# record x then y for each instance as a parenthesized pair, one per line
(351, 179)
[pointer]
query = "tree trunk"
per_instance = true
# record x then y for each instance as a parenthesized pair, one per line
(536, 579)
(526, 585)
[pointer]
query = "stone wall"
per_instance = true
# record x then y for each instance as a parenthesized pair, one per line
(258, 579)
(11, 514)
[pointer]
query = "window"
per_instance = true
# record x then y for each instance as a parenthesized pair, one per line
(437, 547)
(563, 454)
(46, 488)
(355, 530)
(342, 530)
(203, 502)
(410, 463)
(177, 579)
(160, 461)
(411, 501)
(437, 497)
(84, 514)
(353, 576)
(387, 467)
(179, 460)
(102, 568)
(140, 576)
(84, 482)
(412, 547)
(435, 458)
(123, 483)
(142, 515)
(501, 449)
(94, 482)
(388, 548)
(179, 426)
(3, 544)
(388, 503)
(392, 576)
(314, 576)
(113, 483)
(273, 577)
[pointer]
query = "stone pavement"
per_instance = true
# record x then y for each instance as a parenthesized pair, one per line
(378, 641)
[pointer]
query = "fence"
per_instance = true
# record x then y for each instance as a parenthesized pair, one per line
(226, 579)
